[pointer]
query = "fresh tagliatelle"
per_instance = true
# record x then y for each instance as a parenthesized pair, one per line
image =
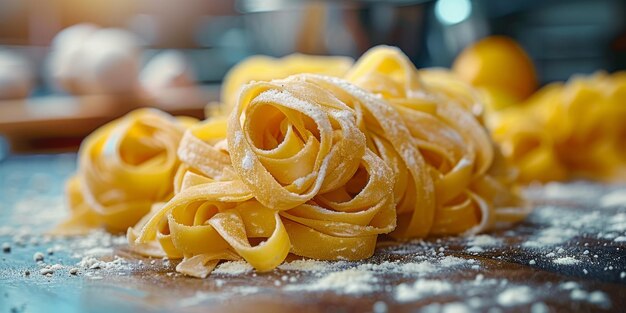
(313, 165)
(124, 168)
(565, 131)
(265, 68)
(458, 183)
(296, 176)
(319, 167)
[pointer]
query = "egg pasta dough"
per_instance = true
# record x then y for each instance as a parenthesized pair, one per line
(568, 130)
(320, 166)
(124, 167)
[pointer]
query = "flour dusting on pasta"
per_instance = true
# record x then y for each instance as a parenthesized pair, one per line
(317, 165)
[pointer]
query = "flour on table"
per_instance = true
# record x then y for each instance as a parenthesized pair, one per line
(91, 263)
(414, 291)
(309, 266)
(483, 241)
(350, 281)
(568, 260)
(516, 295)
(615, 198)
(233, 268)
(453, 307)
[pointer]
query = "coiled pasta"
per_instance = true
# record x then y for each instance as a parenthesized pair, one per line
(124, 167)
(264, 68)
(320, 166)
(471, 186)
(565, 131)
(300, 180)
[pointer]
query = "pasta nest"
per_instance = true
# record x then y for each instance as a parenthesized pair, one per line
(124, 168)
(313, 165)
(320, 166)
(568, 130)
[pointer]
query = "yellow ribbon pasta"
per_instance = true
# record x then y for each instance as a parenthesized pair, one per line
(316, 166)
(463, 186)
(124, 167)
(319, 167)
(565, 131)
(300, 180)
(265, 68)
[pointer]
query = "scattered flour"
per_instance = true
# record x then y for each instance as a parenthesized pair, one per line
(246, 290)
(38, 256)
(380, 307)
(308, 266)
(6, 247)
(615, 198)
(362, 278)
(55, 267)
(299, 182)
(248, 161)
(422, 287)
(415, 268)
(550, 237)
(569, 285)
(578, 294)
(475, 249)
(597, 297)
(238, 137)
(98, 251)
(48, 270)
(483, 241)
(620, 239)
(450, 261)
(453, 307)
(233, 268)
(539, 307)
(350, 281)
(567, 260)
(99, 241)
(516, 295)
(89, 262)
(198, 298)
(618, 223)
(419, 268)
(568, 191)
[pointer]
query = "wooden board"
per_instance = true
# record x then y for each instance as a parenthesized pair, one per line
(60, 122)
(569, 255)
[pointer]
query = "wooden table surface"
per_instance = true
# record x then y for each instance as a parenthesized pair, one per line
(58, 122)
(569, 255)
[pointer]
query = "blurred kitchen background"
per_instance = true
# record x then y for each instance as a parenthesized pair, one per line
(203, 39)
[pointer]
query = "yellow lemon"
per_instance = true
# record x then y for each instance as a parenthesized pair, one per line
(497, 63)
